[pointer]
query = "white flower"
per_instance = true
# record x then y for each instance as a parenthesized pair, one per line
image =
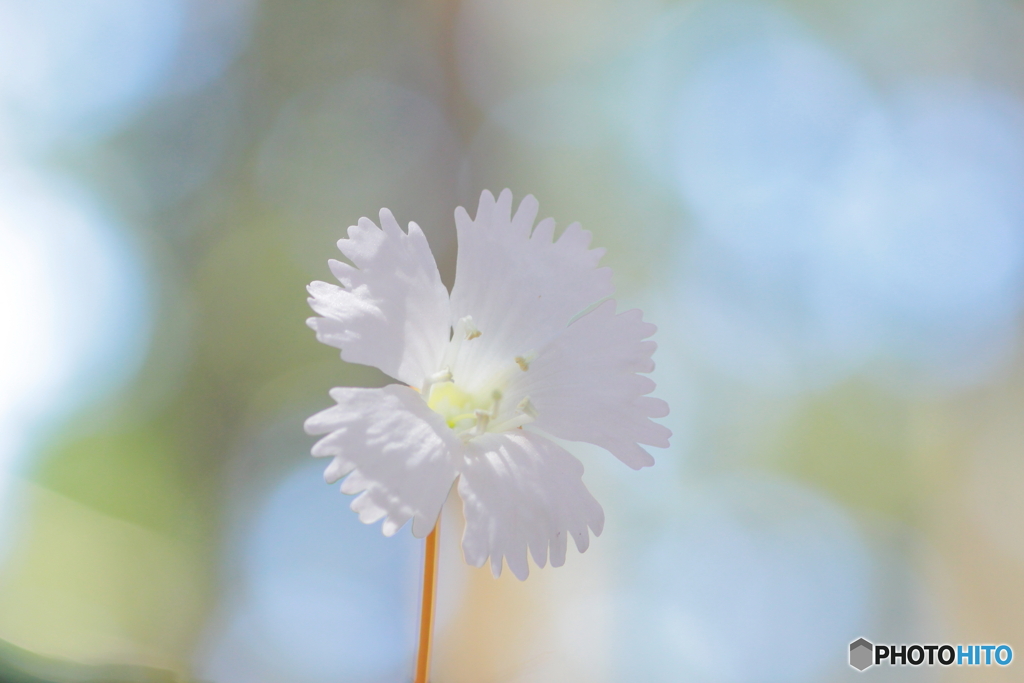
(527, 343)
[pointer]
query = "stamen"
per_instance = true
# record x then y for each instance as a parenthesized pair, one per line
(526, 408)
(465, 329)
(513, 423)
(482, 418)
(496, 396)
(430, 380)
(525, 414)
(522, 363)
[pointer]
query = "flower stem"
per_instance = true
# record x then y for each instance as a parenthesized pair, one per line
(427, 605)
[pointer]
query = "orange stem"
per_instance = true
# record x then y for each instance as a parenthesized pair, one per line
(427, 605)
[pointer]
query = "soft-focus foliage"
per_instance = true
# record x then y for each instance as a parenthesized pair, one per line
(819, 203)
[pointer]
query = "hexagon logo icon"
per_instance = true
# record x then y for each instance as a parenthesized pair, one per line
(860, 654)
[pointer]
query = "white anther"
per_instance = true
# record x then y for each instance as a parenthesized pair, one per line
(441, 376)
(430, 380)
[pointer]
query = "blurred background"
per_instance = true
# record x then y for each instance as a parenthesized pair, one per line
(820, 203)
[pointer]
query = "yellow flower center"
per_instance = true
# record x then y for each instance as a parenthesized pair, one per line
(472, 414)
(457, 406)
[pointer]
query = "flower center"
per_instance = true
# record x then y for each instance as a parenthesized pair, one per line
(456, 406)
(470, 415)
